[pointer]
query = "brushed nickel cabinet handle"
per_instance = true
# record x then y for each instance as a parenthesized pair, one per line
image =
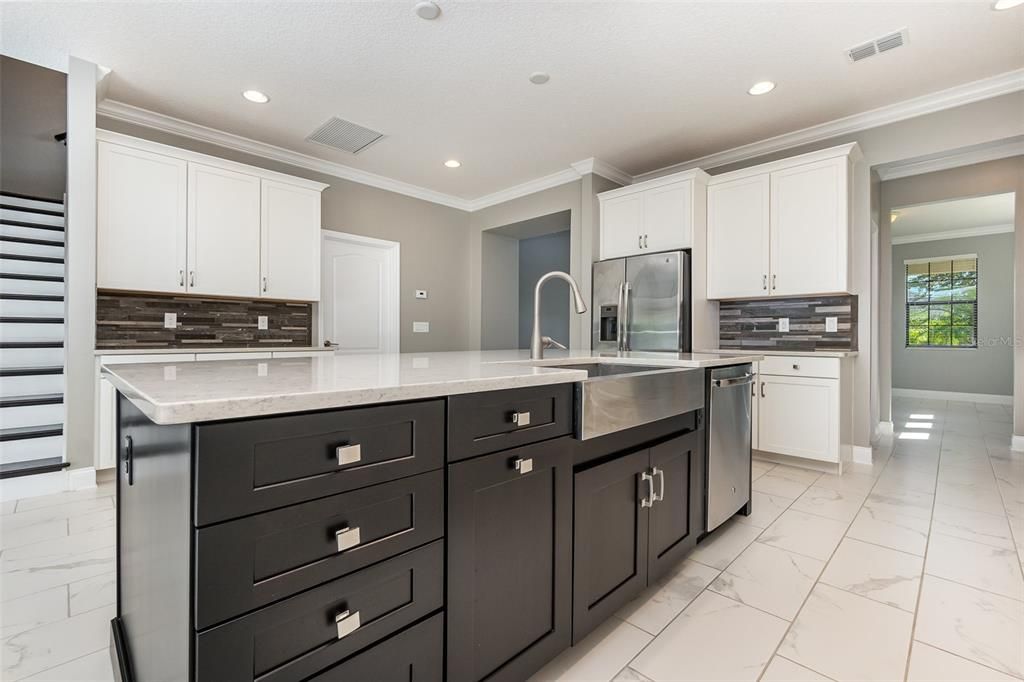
(523, 465)
(764, 282)
(645, 241)
(797, 367)
(521, 418)
(348, 454)
(660, 473)
(774, 276)
(347, 538)
(347, 623)
(648, 499)
(639, 241)
(181, 278)
(192, 278)
(762, 389)
(264, 284)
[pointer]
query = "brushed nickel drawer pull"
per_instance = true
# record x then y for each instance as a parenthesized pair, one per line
(348, 454)
(521, 418)
(648, 499)
(347, 623)
(523, 465)
(796, 367)
(660, 473)
(347, 538)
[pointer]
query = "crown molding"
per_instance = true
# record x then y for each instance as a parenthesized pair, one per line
(986, 88)
(604, 169)
(521, 190)
(994, 151)
(176, 126)
(952, 234)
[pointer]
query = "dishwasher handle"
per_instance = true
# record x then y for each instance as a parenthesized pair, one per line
(744, 380)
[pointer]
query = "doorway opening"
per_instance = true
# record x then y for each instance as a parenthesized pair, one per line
(514, 257)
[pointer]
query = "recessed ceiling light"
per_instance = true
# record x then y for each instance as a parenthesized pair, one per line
(452, 163)
(761, 88)
(999, 5)
(427, 10)
(255, 96)
(539, 77)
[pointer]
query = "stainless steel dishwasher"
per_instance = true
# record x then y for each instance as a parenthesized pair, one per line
(728, 431)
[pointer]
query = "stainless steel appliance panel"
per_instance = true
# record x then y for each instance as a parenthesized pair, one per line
(728, 431)
(608, 284)
(658, 290)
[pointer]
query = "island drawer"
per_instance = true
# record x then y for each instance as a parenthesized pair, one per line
(479, 423)
(247, 563)
(413, 655)
(249, 466)
(301, 636)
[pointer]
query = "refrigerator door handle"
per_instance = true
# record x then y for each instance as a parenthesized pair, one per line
(625, 317)
(619, 326)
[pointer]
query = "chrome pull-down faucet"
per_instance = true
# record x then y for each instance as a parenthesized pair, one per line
(537, 342)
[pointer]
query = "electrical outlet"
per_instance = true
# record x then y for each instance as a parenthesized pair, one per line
(831, 324)
(170, 373)
(262, 322)
(421, 327)
(783, 324)
(421, 293)
(170, 320)
(261, 369)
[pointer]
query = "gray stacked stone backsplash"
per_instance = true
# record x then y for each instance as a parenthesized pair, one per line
(755, 324)
(127, 320)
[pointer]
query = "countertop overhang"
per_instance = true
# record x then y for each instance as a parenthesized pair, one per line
(179, 393)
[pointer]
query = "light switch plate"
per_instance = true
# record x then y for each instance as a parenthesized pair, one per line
(421, 293)
(262, 322)
(421, 327)
(783, 324)
(261, 369)
(831, 324)
(170, 373)
(170, 320)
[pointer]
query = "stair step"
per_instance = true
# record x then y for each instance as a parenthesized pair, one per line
(30, 209)
(30, 467)
(26, 432)
(32, 400)
(32, 240)
(31, 357)
(49, 343)
(30, 200)
(33, 226)
(29, 297)
(34, 259)
(30, 216)
(23, 319)
(30, 371)
(28, 276)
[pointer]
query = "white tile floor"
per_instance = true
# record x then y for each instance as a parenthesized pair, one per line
(910, 569)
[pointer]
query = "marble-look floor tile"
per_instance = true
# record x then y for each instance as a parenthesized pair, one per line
(759, 468)
(56, 643)
(900, 479)
(770, 579)
(803, 533)
(988, 529)
(656, 606)
(890, 529)
(56, 550)
(784, 670)
(724, 544)
(983, 498)
(627, 674)
(885, 575)
(848, 637)
(7, 506)
(928, 664)
(988, 568)
(53, 512)
(38, 577)
(977, 625)
(33, 610)
(32, 533)
(907, 503)
(830, 503)
(786, 481)
(94, 667)
(97, 520)
(715, 638)
(33, 503)
(847, 482)
(765, 508)
(599, 657)
(91, 593)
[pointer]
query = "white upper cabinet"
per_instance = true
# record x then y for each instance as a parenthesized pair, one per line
(290, 242)
(658, 215)
(782, 228)
(170, 220)
(223, 232)
(141, 216)
(738, 238)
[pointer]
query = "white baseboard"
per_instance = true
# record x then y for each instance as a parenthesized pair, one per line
(951, 395)
(885, 429)
(862, 454)
(47, 484)
(1017, 443)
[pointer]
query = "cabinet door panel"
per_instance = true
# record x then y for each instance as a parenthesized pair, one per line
(809, 229)
(223, 232)
(621, 225)
(290, 242)
(140, 217)
(738, 238)
(678, 517)
(509, 562)
(799, 416)
(667, 222)
(610, 539)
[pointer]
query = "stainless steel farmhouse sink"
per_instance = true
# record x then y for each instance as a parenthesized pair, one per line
(617, 396)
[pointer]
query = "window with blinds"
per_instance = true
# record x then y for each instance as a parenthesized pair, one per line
(942, 302)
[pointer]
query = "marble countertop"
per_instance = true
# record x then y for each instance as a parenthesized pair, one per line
(148, 350)
(178, 393)
(818, 353)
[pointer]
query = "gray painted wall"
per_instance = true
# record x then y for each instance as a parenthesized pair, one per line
(499, 291)
(33, 108)
(986, 369)
(539, 256)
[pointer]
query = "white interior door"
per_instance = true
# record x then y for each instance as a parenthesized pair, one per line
(360, 293)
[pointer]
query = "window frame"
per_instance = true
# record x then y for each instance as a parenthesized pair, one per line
(951, 302)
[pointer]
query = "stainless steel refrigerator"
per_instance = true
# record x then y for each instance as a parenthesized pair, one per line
(642, 303)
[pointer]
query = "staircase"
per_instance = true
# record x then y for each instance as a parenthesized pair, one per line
(31, 335)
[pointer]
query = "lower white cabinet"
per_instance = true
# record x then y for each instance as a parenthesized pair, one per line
(106, 425)
(755, 404)
(799, 416)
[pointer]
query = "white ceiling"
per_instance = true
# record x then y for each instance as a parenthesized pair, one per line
(638, 85)
(990, 211)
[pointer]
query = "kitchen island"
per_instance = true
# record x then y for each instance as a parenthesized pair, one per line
(413, 516)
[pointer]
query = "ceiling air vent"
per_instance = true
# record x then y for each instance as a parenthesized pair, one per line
(879, 45)
(344, 135)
